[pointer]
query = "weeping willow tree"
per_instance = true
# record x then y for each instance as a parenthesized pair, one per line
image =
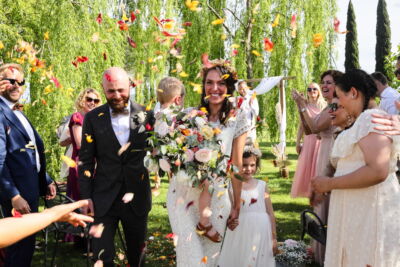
(74, 41)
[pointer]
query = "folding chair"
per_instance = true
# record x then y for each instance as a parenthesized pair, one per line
(63, 228)
(313, 226)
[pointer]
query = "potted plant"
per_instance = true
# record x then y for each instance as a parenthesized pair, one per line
(293, 253)
(280, 160)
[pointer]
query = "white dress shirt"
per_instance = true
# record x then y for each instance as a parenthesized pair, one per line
(388, 96)
(28, 128)
(121, 126)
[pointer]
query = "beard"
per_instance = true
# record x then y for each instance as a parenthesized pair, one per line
(118, 105)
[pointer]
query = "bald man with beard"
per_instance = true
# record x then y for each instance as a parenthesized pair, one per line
(111, 171)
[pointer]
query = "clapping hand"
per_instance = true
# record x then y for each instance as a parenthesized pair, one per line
(299, 98)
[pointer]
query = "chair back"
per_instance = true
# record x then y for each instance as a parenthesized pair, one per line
(313, 226)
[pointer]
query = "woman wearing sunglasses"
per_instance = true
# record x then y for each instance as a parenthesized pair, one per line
(87, 100)
(308, 152)
(321, 125)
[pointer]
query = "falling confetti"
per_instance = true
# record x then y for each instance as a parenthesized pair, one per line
(217, 21)
(204, 260)
(70, 162)
(207, 212)
(89, 138)
(16, 213)
(123, 148)
(127, 197)
(96, 231)
(87, 173)
(268, 45)
(276, 21)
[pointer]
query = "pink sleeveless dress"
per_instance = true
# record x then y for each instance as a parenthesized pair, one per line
(307, 162)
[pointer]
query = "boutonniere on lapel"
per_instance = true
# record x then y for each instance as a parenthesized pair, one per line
(139, 119)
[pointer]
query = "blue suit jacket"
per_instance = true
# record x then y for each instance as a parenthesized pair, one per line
(18, 171)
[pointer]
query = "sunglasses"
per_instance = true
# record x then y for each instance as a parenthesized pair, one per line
(333, 107)
(13, 81)
(94, 100)
(312, 89)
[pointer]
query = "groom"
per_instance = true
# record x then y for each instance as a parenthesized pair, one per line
(111, 173)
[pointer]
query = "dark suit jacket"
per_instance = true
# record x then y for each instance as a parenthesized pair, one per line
(18, 172)
(109, 172)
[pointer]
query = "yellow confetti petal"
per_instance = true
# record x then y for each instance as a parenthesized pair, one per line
(234, 46)
(100, 114)
(224, 37)
(70, 162)
(87, 173)
(183, 74)
(46, 36)
(220, 194)
(1, 45)
(225, 76)
(276, 21)
(256, 53)
(217, 21)
(160, 90)
(89, 138)
(207, 97)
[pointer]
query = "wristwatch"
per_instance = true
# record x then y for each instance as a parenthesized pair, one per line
(302, 109)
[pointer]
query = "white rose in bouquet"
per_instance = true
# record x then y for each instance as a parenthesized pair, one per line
(203, 155)
(161, 128)
(200, 122)
(164, 165)
(150, 164)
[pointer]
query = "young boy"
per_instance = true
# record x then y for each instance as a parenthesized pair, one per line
(170, 92)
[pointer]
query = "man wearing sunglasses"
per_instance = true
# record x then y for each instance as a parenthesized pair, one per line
(22, 162)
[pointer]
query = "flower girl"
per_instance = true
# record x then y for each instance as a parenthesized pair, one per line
(253, 241)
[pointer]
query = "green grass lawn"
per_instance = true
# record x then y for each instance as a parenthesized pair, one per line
(160, 250)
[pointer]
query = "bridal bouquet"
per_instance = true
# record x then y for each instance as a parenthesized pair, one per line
(293, 253)
(187, 146)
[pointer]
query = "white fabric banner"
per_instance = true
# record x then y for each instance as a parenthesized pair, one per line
(267, 84)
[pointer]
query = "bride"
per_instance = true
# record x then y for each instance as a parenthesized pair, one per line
(192, 249)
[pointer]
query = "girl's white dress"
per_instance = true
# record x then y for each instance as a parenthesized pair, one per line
(182, 205)
(364, 223)
(250, 244)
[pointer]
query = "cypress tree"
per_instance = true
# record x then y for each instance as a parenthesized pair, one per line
(351, 60)
(382, 49)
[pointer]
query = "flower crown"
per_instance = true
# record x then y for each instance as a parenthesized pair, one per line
(222, 63)
(249, 148)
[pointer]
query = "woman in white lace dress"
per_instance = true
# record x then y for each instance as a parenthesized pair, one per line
(364, 213)
(182, 201)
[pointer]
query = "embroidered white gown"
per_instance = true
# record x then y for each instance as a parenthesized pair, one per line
(363, 224)
(182, 205)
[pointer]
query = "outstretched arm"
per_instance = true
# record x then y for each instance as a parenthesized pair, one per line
(14, 229)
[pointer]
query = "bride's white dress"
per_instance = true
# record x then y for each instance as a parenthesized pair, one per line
(182, 205)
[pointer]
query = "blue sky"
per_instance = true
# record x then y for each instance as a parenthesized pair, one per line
(366, 24)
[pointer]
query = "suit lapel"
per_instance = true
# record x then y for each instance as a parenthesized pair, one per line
(13, 119)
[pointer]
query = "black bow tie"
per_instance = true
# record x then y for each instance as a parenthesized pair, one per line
(18, 106)
(115, 113)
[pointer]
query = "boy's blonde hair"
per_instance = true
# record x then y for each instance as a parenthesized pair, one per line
(168, 88)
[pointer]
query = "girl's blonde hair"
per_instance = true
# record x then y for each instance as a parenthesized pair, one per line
(80, 100)
(321, 103)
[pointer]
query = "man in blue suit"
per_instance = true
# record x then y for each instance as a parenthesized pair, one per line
(22, 162)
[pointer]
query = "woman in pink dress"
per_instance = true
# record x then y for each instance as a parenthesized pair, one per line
(87, 100)
(308, 152)
(321, 125)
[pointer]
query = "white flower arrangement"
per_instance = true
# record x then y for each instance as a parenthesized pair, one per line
(187, 146)
(294, 253)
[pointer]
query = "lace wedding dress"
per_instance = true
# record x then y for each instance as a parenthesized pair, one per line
(182, 205)
(364, 223)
